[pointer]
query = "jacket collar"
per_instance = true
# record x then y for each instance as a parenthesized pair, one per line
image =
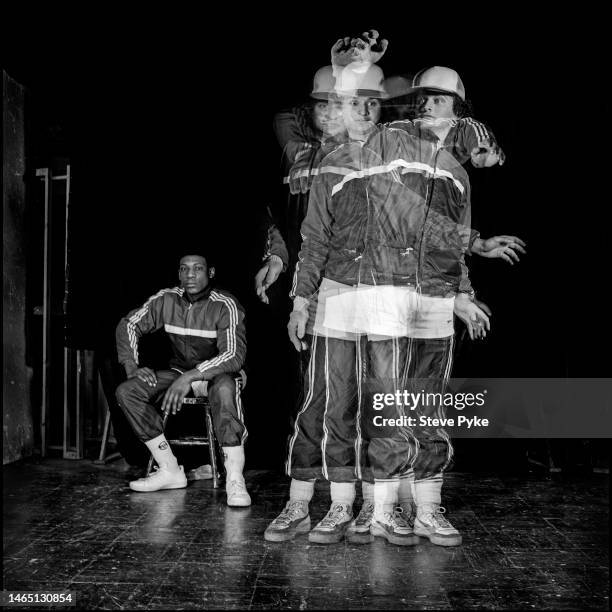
(197, 297)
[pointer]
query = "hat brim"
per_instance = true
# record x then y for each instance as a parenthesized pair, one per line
(363, 93)
(418, 88)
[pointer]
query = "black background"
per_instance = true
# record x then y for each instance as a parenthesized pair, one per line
(166, 120)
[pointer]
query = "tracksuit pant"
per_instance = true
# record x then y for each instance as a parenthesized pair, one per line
(335, 434)
(141, 405)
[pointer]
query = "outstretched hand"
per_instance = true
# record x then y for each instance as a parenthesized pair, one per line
(503, 247)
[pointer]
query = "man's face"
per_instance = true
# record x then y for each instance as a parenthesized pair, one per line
(436, 106)
(194, 274)
(360, 113)
(328, 117)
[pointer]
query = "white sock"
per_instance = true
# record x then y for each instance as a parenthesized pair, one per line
(406, 493)
(367, 491)
(301, 491)
(162, 453)
(428, 493)
(234, 462)
(385, 496)
(342, 493)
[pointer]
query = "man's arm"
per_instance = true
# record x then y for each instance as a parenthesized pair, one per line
(275, 261)
(140, 321)
(231, 340)
(474, 140)
(316, 234)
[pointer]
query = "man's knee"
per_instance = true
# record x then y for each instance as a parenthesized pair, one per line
(222, 388)
(127, 391)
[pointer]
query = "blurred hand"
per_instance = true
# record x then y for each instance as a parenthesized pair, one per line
(266, 277)
(474, 317)
(363, 49)
(503, 247)
(487, 155)
(297, 324)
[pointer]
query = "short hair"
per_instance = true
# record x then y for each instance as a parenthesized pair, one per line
(197, 252)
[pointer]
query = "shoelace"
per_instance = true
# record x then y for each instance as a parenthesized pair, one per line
(289, 514)
(236, 486)
(396, 519)
(442, 521)
(332, 518)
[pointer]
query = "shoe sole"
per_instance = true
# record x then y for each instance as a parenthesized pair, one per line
(355, 537)
(244, 504)
(285, 536)
(440, 540)
(321, 537)
(379, 532)
(165, 487)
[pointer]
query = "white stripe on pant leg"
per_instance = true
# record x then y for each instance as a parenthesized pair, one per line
(307, 400)
(450, 451)
(325, 431)
(358, 418)
(245, 433)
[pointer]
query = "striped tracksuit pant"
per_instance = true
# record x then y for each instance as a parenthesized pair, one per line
(335, 433)
(141, 404)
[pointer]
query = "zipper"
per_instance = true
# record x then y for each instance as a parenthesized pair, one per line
(187, 343)
(428, 197)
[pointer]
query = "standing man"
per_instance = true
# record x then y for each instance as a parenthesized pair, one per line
(206, 329)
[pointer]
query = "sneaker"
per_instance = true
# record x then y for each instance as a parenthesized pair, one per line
(358, 531)
(332, 527)
(292, 520)
(434, 525)
(160, 478)
(237, 494)
(394, 528)
(409, 511)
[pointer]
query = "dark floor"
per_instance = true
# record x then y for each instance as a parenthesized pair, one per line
(529, 543)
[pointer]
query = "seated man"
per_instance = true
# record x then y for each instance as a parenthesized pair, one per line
(207, 333)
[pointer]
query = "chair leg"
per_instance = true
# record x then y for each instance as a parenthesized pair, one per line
(210, 432)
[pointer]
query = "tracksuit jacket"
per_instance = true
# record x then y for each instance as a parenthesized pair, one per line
(394, 210)
(207, 334)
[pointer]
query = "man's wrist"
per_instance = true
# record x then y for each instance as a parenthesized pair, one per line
(300, 303)
(193, 375)
(130, 367)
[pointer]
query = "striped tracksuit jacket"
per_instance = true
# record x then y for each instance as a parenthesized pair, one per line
(207, 334)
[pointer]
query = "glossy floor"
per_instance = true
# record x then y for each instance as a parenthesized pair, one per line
(528, 543)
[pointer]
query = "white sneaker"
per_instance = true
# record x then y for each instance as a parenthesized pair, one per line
(332, 527)
(237, 494)
(292, 520)
(431, 523)
(358, 531)
(394, 528)
(160, 478)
